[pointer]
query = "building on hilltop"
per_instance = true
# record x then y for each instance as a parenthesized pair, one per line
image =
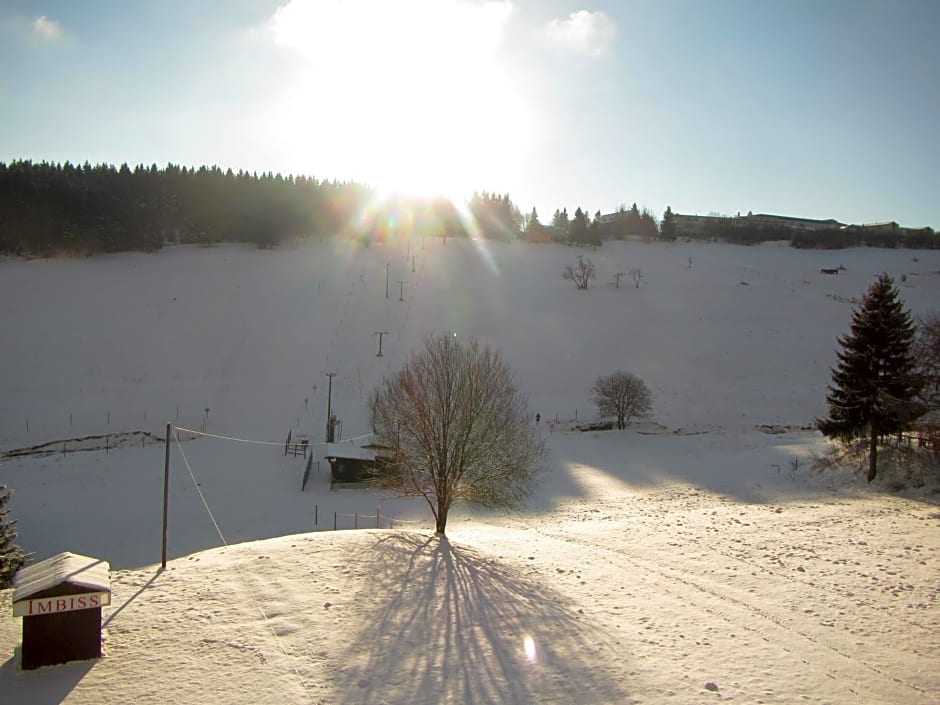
(889, 228)
(763, 220)
(713, 225)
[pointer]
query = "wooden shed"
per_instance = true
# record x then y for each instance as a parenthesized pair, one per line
(928, 429)
(60, 601)
(349, 463)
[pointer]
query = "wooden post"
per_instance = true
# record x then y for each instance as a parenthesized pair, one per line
(356, 521)
(377, 512)
(329, 405)
(166, 489)
(316, 512)
(334, 521)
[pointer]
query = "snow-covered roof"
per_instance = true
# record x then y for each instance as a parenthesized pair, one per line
(928, 420)
(65, 567)
(348, 450)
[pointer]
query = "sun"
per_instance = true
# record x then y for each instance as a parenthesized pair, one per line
(413, 97)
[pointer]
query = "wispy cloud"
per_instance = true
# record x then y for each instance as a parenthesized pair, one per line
(46, 29)
(583, 32)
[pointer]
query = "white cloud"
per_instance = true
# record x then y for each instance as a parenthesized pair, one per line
(46, 29)
(583, 31)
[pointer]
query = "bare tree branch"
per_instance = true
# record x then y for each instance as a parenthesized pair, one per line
(580, 273)
(453, 428)
(623, 395)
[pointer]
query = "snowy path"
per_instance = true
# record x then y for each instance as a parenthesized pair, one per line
(772, 612)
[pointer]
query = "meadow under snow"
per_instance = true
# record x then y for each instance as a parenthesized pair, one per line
(693, 558)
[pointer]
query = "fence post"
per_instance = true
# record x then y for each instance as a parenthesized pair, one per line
(377, 511)
(316, 511)
(334, 521)
(356, 521)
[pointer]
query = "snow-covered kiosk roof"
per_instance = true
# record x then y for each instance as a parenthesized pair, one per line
(83, 573)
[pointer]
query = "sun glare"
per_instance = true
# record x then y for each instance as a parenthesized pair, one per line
(411, 96)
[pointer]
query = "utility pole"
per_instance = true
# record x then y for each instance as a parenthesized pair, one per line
(166, 489)
(329, 402)
(380, 333)
(387, 265)
(401, 289)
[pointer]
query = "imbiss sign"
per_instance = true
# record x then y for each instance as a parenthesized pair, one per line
(61, 603)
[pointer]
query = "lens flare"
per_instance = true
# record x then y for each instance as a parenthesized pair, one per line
(528, 645)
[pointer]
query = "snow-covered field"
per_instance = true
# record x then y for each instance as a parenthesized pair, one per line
(686, 551)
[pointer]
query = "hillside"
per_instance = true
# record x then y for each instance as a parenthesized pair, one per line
(685, 551)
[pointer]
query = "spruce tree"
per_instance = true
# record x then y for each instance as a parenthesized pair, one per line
(875, 373)
(12, 556)
(667, 228)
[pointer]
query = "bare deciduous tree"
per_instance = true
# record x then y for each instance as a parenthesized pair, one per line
(580, 273)
(637, 275)
(454, 429)
(927, 357)
(623, 395)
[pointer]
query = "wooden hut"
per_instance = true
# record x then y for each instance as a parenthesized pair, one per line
(60, 601)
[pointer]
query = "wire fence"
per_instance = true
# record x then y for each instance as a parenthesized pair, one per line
(346, 521)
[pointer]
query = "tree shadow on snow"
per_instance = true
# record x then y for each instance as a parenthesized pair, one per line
(453, 625)
(746, 468)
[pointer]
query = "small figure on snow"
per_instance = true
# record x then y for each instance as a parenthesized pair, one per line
(538, 417)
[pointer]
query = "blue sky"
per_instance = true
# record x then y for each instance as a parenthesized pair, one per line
(818, 109)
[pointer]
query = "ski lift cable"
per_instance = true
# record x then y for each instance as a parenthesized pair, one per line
(263, 443)
(251, 592)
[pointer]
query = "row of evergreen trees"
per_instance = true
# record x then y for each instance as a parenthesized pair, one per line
(49, 208)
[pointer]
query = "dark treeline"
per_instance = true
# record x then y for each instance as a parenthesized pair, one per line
(832, 239)
(50, 208)
(61, 208)
(924, 239)
(828, 239)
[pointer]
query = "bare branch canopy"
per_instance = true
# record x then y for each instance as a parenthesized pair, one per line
(454, 429)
